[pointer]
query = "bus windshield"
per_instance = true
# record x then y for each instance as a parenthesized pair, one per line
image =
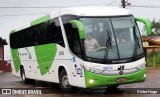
(111, 37)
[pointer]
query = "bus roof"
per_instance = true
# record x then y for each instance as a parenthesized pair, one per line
(95, 11)
(79, 11)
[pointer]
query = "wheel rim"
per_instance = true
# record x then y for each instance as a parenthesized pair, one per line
(65, 81)
(23, 76)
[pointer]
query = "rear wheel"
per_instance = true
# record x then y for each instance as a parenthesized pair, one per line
(23, 76)
(64, 81)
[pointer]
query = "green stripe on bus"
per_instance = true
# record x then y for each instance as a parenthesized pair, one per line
(147, 25)
(40, 20)
(80, 27)
(45, 56)
(103, 80)
(12, 31)
(16, 59)
(15, 56)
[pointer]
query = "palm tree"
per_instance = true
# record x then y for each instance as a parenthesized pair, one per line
(155, 26)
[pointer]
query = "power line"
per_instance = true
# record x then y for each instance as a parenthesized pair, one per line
(22, 14)
(17, 7)
(38, 7)
(151, 6)
(112, 2)
(32, 7)
(147, 2)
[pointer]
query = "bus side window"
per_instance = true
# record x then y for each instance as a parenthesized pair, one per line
(73, 39)
(13, 41)
(42, 34)
(55, 29)
(51, 32)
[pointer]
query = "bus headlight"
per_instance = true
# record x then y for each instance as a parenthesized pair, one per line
(144, 75)
(91, 81)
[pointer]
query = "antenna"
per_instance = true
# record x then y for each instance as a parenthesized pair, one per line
(123, 3)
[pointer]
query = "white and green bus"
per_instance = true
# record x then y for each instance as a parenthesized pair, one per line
(84, 46)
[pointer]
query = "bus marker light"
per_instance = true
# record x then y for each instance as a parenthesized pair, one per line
(91, 81)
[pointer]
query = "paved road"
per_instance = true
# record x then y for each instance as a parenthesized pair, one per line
(7, 80)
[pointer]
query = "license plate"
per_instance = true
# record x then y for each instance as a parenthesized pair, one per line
(121, 80)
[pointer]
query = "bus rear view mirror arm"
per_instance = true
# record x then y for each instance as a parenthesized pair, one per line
(80, 27)
(147, 25)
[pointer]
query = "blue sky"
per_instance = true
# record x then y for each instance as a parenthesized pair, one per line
(8, 21)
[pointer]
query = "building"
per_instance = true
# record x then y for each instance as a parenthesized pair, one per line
(151, 44)
(3, 64)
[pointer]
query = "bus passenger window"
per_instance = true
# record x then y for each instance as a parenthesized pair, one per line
(55, 29)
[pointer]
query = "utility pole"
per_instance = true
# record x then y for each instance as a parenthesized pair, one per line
(123, 3)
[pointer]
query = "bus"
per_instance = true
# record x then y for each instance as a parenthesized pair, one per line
(81, 46)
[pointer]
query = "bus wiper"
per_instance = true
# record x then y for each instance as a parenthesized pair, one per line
(136, 45)
(108, 46)
(108, 42)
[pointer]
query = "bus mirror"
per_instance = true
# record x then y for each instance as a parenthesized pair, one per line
(147, 25)
(80, 27)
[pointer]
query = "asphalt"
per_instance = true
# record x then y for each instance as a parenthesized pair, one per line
(152, 83)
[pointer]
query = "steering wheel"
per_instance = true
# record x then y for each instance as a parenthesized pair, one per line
(99, 48)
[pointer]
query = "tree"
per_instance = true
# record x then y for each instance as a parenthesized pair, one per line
(3, 41)
(155, 25)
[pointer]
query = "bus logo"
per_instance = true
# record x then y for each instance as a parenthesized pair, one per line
(121, 72)
(121, 68)
(25, 54)
(29, 57)
(6, 91)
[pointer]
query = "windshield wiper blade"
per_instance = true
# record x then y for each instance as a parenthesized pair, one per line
(108, 45)
(108, 42)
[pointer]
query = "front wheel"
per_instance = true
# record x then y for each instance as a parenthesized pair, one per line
(113, 87)
(64, 82)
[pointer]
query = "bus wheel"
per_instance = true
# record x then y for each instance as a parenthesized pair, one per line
(113, 87)
(64, 82)
(24, 79)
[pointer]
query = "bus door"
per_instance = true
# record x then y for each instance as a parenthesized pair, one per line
(75, 49)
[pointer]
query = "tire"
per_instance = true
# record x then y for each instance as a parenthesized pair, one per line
(113, 87)
(24, 79)
(64, 82)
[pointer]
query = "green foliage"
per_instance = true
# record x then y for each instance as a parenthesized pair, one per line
(155, 25)
(150, 59)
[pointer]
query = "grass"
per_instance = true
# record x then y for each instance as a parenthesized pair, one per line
(150, 59)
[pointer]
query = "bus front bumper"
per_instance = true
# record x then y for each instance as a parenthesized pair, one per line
(96, 80)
